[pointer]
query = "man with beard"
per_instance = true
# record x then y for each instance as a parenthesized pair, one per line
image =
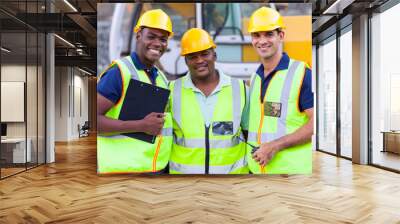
(118, 153)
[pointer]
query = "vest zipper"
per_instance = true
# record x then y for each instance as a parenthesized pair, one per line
(150, 79)
(207, 160)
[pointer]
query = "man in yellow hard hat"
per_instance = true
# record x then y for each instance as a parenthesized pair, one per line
(206, 107)
(117, 153)
(281, 102)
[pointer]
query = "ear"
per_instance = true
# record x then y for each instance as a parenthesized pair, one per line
(282, 34)
(215, 55)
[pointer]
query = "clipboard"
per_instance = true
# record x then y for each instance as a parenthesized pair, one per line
(140, 100)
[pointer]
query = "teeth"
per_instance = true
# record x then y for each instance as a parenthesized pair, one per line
(201, 67)
(155, 51)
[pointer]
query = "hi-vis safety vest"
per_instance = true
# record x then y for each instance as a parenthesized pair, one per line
(278, 115)
(213, 149)
(122, 154)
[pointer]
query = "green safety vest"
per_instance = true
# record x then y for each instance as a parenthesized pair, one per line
(122, 154)
(198, 149)
(283, 91)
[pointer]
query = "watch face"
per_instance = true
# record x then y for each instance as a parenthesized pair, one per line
(272, 109)
(222, 128)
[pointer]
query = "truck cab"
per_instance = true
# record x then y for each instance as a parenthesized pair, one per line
(226, 23)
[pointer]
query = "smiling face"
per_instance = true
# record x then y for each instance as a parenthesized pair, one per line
(201, 64)
(151, 44)
(267, 43)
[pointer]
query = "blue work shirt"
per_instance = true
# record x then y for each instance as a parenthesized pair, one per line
(306, 98)
(110, 84)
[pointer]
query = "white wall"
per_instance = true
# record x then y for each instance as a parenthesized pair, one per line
(71, 93)
(61, 103)
(33, 126)
(80, 100)
(12, 73)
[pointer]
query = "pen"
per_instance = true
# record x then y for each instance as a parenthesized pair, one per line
(254, 148)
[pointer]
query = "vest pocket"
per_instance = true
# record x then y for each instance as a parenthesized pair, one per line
(222, 128)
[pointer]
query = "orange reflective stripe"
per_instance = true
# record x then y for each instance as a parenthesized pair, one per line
(261, 124)
(128, 172)
(262, 169)
(262, 116)
(105, 70)
(156, 153)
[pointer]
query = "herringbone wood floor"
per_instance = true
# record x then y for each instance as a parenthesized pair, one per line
(69, 191)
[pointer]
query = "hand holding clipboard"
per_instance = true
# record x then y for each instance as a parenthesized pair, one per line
(144, 102)
(153, 123)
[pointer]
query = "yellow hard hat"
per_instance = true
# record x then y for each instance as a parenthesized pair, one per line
(157, 19)
(195, 40)
(265, 19)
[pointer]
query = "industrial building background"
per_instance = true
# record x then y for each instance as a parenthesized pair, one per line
(53, 50)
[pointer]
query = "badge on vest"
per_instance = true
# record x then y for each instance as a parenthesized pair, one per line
(272, 109)
(222, 128)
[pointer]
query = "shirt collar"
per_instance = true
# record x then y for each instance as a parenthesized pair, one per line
(282, 65)
(224, 80)
(140, 66)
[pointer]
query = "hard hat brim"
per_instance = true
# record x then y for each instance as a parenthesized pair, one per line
(137, 28)
(265, 28)
(197, 50)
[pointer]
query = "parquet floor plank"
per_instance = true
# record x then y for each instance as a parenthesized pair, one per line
(70, 191)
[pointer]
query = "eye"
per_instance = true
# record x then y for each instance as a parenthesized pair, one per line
(190, 57)
(270, 34)
(205, 53)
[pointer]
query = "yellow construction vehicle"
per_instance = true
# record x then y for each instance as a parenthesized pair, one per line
(226, 23)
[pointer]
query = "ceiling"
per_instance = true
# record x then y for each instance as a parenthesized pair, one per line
(330, 15)
(72, 20)
(75, 21)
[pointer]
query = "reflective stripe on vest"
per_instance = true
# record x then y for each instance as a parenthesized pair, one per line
(284, 89)
(284, 96)
(121, 154)
(166, 132)
(200, 143)
(191, 146)
(196, 169)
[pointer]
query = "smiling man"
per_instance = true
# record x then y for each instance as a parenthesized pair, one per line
(206, 108)
(117, 153)
(281, 102)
